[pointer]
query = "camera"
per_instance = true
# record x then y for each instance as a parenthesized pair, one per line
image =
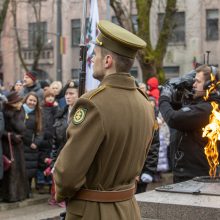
(182, 88)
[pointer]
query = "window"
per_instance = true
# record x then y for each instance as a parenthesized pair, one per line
(212, 24)
(75, 73)
(37, 30)
(134, 72)
(75, 29)
(135, 23)
(171, 71)
(178, 32)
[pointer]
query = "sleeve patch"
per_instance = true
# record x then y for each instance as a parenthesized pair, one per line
(79, 116)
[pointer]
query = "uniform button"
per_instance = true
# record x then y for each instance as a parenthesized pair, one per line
(181, 169)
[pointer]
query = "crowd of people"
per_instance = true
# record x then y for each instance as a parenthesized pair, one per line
(116, 136)
(34, 116)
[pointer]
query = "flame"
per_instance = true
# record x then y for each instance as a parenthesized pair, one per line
(212, 132)
(212, 87)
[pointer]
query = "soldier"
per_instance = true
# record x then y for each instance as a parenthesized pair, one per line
(108, 136)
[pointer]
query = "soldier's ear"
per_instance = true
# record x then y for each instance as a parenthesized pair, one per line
(108, 61)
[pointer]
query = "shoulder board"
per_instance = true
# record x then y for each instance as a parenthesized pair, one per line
(146, 96)
(96, 91)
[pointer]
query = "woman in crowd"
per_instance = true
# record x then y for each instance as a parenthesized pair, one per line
(18, 86)
(15, 182)
(32, 138)
(56, 86)
(61, 123)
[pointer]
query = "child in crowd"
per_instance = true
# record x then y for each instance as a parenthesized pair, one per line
(49, 110)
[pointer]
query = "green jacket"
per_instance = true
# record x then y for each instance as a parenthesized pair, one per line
(108, 138)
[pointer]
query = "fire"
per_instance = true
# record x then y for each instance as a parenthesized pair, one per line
(212, 132)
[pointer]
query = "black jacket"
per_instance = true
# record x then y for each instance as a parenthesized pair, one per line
(190, 160)
(31, 136)
(59, 138)
(45, 146)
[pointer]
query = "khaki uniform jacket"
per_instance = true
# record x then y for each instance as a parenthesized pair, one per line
(106, 148)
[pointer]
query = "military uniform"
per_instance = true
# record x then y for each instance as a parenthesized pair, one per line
(108, 138)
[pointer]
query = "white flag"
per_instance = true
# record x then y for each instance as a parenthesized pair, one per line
(91, 83)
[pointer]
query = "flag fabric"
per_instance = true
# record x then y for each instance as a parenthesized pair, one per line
(91, 83)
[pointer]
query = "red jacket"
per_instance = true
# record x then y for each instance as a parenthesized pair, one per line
(153, 90)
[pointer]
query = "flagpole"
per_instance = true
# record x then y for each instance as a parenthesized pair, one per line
(83, 50)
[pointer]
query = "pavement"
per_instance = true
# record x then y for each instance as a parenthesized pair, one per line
(37, 208)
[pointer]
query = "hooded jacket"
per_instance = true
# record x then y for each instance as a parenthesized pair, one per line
(153, 90)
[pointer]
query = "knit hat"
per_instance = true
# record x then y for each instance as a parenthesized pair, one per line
(49, 92)
(32, 74)
(13, 97)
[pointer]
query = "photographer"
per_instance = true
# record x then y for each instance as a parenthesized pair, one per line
(188, 120)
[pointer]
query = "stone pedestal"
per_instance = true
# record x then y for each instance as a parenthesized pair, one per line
(156, 205)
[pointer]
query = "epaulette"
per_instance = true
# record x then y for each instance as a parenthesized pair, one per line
(96, 91)
(145, 95)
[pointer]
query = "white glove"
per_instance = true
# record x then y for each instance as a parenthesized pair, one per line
(146, 178)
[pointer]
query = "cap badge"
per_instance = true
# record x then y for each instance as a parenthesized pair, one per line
(79, 116)
(99, 42)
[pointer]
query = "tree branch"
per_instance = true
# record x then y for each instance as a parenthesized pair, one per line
(161, 46)
(14, 15)
(3, 13)
(122, 14)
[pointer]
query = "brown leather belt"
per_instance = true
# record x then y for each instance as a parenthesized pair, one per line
(105, 196)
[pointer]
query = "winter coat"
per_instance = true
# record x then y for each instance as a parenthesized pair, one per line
(31, 136)
(153, 90)
(59, 139)
(15, 181)
(108, 135)
(35, 88)
(45, 146)
(164, 134)
(150, 165)
(190, 160)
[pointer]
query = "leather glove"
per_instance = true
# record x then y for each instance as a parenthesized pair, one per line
(167, 91)
(146, 178)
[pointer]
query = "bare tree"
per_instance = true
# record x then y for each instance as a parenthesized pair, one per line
(39, 41)
(150, 59)
(3, 13)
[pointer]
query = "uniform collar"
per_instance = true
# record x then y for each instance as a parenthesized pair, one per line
(119, 80)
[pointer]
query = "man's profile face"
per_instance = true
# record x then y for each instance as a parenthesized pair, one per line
(71, 96)
(198, 85)
(27, 81)
(98, 70)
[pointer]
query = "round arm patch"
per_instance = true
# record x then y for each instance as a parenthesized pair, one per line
(79, 116)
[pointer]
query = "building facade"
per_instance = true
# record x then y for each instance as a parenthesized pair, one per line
(196, 31)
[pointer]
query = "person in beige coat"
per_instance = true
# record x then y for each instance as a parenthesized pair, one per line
(108, 137)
